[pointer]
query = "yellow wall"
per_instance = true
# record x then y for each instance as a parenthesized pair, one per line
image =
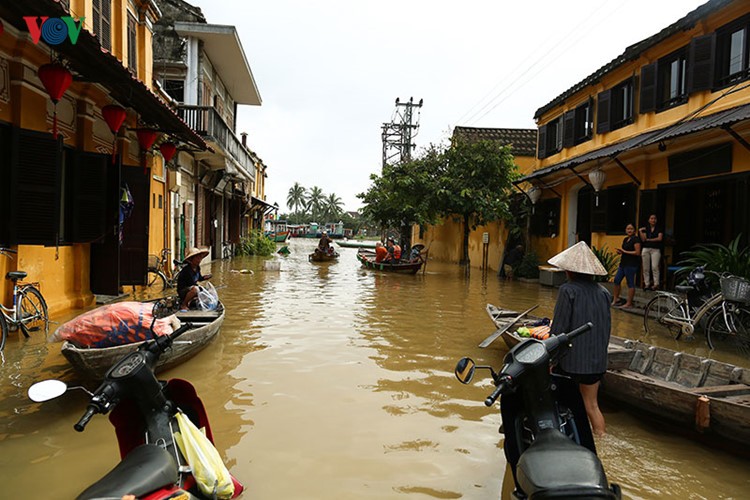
(63, 273)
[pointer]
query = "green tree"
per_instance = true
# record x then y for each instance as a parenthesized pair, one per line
(315, 202)
(296, 199)
(404, 194)
(332, 208)
(476, 184)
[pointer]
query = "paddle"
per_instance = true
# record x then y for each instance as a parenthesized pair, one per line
(502, 330)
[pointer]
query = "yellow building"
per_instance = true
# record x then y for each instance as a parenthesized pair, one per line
(487, 243)
(61, 196)
(661, 129)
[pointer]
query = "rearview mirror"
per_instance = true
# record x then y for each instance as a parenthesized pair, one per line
(465, 370)
(46, 390)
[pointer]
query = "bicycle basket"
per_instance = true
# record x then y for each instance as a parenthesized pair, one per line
(153, 261)
(736, 289)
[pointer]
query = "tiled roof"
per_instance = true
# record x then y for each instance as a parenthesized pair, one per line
(724, 118)
(635, 50)
(97, 65)
(522, 141)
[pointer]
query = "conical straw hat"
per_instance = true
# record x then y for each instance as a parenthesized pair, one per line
(579, 259)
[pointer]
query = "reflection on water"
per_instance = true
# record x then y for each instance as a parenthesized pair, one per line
(329, 381)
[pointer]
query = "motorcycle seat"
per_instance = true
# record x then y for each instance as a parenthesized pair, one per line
(554, 466)
(145, 469)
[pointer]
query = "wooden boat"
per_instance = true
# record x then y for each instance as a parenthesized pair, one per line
(356, 243)
(699, 397)
(367, 259)
(94, 362)
(280, 237)
(322, 256)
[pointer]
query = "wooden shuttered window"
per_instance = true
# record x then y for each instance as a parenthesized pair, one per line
(102, 22)
(85, 196)
(701, 63)
(35, 180)
(5, 163)
(132, 44)
(603, 122)
(200, 211)
(569, 131)
(542, 142)
(648, 88)
(545, 221)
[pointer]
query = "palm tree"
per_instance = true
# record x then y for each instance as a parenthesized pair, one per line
(297, 197)
(315, 201)
(333, 206)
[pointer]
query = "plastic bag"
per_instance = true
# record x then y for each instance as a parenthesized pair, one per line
(208, 298)
(208, 469)
(114, 324)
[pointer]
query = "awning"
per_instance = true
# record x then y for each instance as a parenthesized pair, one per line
(256, 204)
(716, 120)
(222, 44)
(93, 64)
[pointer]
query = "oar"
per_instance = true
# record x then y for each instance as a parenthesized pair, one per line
(502, 330)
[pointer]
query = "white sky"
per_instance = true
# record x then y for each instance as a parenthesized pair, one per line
(329, 71)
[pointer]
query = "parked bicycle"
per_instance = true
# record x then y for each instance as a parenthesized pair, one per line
(723, 317)
(157, 280)
(29, 310)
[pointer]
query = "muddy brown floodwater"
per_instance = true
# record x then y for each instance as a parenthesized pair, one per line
(328, 381)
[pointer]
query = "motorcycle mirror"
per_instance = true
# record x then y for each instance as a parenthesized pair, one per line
(465, 370)
(46, 390)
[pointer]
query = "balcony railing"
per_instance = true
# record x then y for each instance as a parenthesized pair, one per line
(208, 123)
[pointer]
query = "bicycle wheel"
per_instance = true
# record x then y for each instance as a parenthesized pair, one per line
(156, 281)
(32, 310)
(730, 332)
(3, 332)
(657, 309)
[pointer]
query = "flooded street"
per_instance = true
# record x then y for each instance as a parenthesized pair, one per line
(328, 381)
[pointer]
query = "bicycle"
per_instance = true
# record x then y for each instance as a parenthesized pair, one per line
(29, 310)
(156, 279)
(677, 314)
(730, 326)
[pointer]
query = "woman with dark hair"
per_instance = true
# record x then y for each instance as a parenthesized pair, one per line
(630, 260)
(652, 237)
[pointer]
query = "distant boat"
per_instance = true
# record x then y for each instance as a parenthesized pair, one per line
(317, 256)
(279, 237)
(356, 243)
(367, 259)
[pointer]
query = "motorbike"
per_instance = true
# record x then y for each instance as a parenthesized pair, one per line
(143, 413)
(541, 431)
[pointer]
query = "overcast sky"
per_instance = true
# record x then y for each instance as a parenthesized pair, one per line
(329, 72)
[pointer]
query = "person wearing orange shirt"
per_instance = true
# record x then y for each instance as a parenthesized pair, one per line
(380, 252)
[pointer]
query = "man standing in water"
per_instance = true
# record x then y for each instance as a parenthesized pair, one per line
(580, 300)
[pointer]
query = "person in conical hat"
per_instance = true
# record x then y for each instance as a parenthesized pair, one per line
(579, 301)
(190, 275)
(579, 259)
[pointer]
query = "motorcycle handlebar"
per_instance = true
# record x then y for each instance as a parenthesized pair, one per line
(502, 386)
(81, 424)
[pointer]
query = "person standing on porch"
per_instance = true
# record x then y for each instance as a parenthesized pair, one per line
(630, 259)
(652, 237)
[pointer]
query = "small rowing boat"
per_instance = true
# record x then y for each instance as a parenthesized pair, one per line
(95, 361)
(367, 259)
(317, 256)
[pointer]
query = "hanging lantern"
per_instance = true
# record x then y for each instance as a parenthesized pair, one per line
(534, 194)
(56, 79)
(597, 178)
(115, 116)
(167, 149)
(146, 138)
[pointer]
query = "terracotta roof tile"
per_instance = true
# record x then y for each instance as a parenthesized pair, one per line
(521, 140)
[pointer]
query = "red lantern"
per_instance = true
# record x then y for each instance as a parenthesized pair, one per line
(168, 149)
(146, 138)
(115, 116)
(56, 80)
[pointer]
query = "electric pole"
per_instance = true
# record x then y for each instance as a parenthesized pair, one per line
(399, 133)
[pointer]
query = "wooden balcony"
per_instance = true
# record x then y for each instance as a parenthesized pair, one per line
(207, 122)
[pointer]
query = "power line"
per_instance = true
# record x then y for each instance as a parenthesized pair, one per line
(397, 135)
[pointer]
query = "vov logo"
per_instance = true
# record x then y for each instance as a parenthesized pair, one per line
(54, 30)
